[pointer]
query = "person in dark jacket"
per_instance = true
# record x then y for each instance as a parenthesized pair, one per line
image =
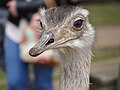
(16, 70)
(3, 18)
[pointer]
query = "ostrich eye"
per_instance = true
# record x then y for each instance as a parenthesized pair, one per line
(78, 24)
(41, 24)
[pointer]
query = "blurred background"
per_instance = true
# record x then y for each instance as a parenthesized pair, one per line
(105, 17)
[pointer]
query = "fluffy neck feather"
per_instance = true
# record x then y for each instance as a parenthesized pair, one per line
(75, 69)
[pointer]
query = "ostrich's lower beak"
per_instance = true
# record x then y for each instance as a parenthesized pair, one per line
(41, 46)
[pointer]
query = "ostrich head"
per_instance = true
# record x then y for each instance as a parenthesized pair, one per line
(66, 29)
(63, 27)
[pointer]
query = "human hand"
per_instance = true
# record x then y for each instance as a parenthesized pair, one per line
(44, 58)
(12, 8)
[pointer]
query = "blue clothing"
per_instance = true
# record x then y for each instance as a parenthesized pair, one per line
(18, 73)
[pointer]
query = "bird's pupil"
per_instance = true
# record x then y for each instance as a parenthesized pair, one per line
(78, 23)
(41, 24)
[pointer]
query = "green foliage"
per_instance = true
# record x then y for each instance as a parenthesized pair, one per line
(104, 14)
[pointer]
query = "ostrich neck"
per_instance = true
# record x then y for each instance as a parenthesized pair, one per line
(75, 69)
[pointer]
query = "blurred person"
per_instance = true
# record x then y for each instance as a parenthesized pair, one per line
(16, 70)
(3, 18)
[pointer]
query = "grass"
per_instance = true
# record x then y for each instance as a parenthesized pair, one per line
(2, 80)
(104, 14)
(2, 74)
(2, 87)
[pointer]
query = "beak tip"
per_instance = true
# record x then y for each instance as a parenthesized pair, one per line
(33, 52)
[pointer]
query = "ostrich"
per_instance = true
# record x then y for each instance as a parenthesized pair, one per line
(66, 30)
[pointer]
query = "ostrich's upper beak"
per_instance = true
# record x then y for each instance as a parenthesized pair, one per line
(41, 46)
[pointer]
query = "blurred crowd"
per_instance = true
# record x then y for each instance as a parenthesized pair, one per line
(19, 25)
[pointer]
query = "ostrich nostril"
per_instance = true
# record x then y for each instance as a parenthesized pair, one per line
(50, 41)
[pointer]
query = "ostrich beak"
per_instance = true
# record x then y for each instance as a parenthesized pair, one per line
(41, 46)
